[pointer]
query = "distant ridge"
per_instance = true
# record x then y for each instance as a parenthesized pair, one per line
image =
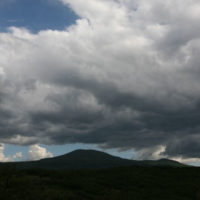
(91, 159)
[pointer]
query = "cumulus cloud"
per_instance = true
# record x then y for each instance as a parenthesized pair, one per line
(126, 75)
(159, 152)
(4, 158)
(37, 152)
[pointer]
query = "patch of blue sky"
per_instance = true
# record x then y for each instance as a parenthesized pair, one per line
(11, 150)
(35, 15)
(57, 150)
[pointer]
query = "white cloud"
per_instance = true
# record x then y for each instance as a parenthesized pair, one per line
(154, 153)
(3, 158)
(133, 61)
(158, 152)
(36, 153)
(18, 155)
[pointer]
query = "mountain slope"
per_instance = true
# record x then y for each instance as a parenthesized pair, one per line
(79, 159)
(91, 159)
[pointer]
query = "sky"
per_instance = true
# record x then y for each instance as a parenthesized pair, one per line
(120, 76)
(35, 15)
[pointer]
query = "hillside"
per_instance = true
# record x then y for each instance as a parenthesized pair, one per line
(94, 175)
(91, 159)
(124, 183)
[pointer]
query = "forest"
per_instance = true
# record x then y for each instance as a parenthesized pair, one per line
(120, 183)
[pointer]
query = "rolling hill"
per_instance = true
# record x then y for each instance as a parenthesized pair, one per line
(91, 159)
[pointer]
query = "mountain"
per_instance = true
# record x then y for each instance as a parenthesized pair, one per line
(91, 159)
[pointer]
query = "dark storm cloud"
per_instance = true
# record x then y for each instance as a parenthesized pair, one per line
(187, 147)
(116, 124)
(128, 82)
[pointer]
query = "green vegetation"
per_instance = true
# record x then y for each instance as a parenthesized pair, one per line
(125, 183)
(94, 175)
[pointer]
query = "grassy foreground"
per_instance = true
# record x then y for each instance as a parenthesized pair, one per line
(127, 183)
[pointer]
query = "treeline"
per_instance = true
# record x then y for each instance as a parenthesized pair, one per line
(127, 183)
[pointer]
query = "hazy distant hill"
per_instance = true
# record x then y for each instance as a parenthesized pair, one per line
(91, 159)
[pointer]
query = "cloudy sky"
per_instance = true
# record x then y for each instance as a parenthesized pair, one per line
(116, 75)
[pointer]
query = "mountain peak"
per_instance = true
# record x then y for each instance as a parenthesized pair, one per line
(85, 151)
(91, 159)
